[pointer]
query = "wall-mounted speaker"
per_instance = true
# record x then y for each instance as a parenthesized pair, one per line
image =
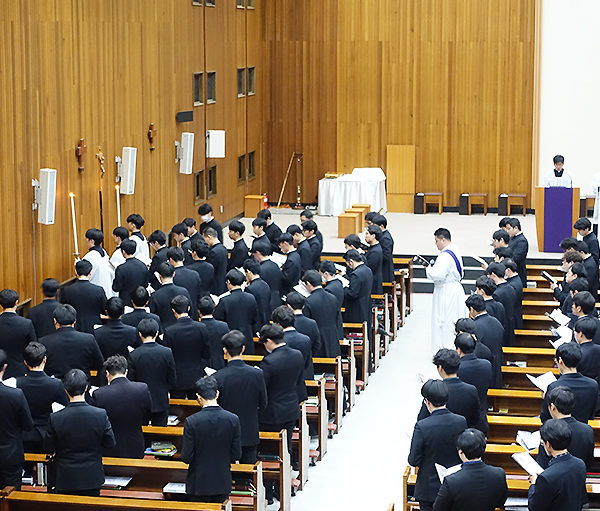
(127, 170)
(187, 153)
(46, 196)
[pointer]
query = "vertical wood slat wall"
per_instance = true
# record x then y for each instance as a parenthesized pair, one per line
(104, 70)
(347, 78)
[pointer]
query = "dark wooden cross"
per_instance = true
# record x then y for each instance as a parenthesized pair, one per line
(80, 151)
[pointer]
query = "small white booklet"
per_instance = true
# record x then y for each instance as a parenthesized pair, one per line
(10, 382)
(301, 288)
(543, 380)
(340, 267)
(209, 371)
(565, 332)
(529, 440)
(443, 471)
(278, 259)
(172, 420)
(516, 503)
(116, 482)
(559, 342)
(57, 407)
(174, 488)
(345, 282)
(559, 317)
(480, 260)
(527, 463)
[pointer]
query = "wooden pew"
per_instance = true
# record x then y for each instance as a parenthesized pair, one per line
(533, 338)
(515, 377)
(318, 413)
(515, 402)
(538, 293)
(537, 357)
(334, 387)
(357, 332)
(349, 372)
(536, 322)
(403, 268)
(536, 269)
(538, 308)
(392, 308)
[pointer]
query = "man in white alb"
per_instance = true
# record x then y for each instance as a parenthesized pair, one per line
(558, 177)
(448, 293)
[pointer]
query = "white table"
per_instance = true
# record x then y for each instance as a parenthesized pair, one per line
(363, 186)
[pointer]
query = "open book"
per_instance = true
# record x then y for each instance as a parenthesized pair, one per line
(301, 288)
(529, 440)
(559, 317)
(345, 282)
(527, 463)
(549, 277)
(543, 380)
(443, 471)
(340, 268)
(278, 259)
(480, 260)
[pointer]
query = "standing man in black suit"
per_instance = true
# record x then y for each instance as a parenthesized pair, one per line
(387, 247)
(42, 314)
(323, 308)
(242, 391)
(260, 238)
(211, 442)
(158, 242)
(302, 247)
(272, 230)
(433, 441)
(89, 300)
(467, 326)
(114, 337)
(208, 221)
(561, 486)
(187, 278)
(512, 277)
(41, 392)
(67, 348)
(507, 296)
(584, 228)
(519, 245)
(160, 300)
(270, 273)
(476, 485)
(77, 436)
(239, 252)
(309, 231)
(205, 270)
(131, 274)
(591, 268)
(584, 330)
(218, 258)
(179, 232)
(16, 332)
(374, 257)
(188, 339)
(238, 309)
(258, 288)
(304, 325)
(139, 298)
(216, 330)
(333, 285)
(292, 268)
(193, 233)
(486, 287)
(15, 419)
(153, 364)
(358, 293)
(306, 215)
(128, 406)
(474, 371)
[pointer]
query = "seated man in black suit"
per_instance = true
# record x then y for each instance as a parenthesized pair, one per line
(208, 221)
(238, 309)
(89, 300)
(467, 326)
(184, 277)
(114, 337)
(309, 231)
(205, 270)
(242, 391)
(476, 485)
(239, 252)
(561, 486)
(15, 419)
(216, 330)
(67, 348)
(211, 442)
(41, 393)
(154, 365)
(567, 357)
(462, 397)
(131, 274)
(139, 298)
(160, 300)
(188, 339)
(474, 371)
(16, 332)
(584, 330)
(42, 314)
(258, 288)
(158, 242)
(218, 257)
(128, 406)
(434, 441)
(272, 230)
(291, 269)
(270, 273)
(303, 324)
(77, 436)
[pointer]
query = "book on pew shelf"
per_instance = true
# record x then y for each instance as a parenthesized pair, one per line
(549, 277)
(543, 380)
(516, 504)
(529, 440)
(27, 480)
(442, 471)
(172, 420)
(268, 457)
(527, 463)
(301, 288)
(158, 448)
(116, 482)
(178, 488)
(312, 401)
(278, 259)
(516, 363)
(57, 407)
(10, 382)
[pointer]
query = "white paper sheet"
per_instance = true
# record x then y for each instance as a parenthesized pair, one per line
(10, 382)
(543, 380)
(57, 407)
(529, 440)
(278, 259)
(443, 471)
(527, 463)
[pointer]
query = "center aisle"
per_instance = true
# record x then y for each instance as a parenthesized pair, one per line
(364, 463)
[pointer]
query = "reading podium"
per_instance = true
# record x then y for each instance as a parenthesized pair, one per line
(556, 210)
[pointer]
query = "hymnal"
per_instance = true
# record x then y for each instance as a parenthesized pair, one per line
(543, 380)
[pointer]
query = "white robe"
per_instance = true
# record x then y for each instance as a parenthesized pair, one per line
(117, 258)
(102, 271)
(565, 181)
(142, 252)
(448, 299)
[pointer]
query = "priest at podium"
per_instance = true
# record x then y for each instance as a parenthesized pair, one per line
(558, 177)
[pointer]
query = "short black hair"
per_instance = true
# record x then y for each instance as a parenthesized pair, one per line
(442, 232)
(176, 254)
(578, 285)
(514, 222)
(310, 225)
(583, 247)
(233, 342)
(570, 353)
(557, 433)
(115, 307)
(206, 387)
(180, 228)
(559, 158)
(486, 284)
(375, 230)
(283, 316)
(497, 269)
(472, 443)
(503, 252)
(285, 237)
(312, 277)
(369, 216)
(140, 296)
(65, 314)
(510, 264)
(50, 287)
(83, 268)
(379, 220)
(136, 220)
(293, 229)
(237, 226)
(34, 354)
(204, 209)
(578, 269)
(465, 342)
(158, 237)
(465, 325)
(585, 300)
(75, 382)
(8, 298)
(353, 240)
(262, 248)
(436, 392)
(206, 306)
(235, 277)
(148, 327)
(572, 256)
(180, 304)
(503, 222)
(327, 266)
(448, 360)
(264, 213)
(259, 222)
(165, 269)
(128, 246)
(116, 364)
(295, 300)
(475, 302)
(586, 326)
(563, 398)
(96, 235)
(200, 247)
(189, 221)
(501, 234)
(307, 213)
(568, 243)
(353, 255)
(252, 265)
(582, 224)
(121, 232)
(273, 332)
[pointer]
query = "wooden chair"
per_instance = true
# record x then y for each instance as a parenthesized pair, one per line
(478, 199)
(516, 199)
(433, 198)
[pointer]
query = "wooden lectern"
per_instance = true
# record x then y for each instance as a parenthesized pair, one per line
(556, 210)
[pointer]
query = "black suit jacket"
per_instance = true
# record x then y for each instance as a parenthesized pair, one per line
(216, 330)
(159, 257)
(128, 406)
(482, 351)
(507, 296)
(335, 287)
(190, 280)
(561, 487)
(323, 308)
(495, 309)
(478, 372)
(475, 486)
(586, 396)
(88, 300)
(15, 419)
(160, 302)
(134, 317)
(387, 264)
(517, 285)
(290, 272)
(591, 241)
(306, 257)
(301, 343)
(114, 338)
(434, 441)
(240, 312)
(490, 332)
(16, 333)
(154, 365)
(358, 295)
(309, 327)
(283, 370)
(462, 400)
(589, 365)
(262, 294)
(520, 246)
(271, 274)
(263, 241)
(211, 442)
(581, 446)
(374, 257)
(214, 225)
(242, 391)
(188, 339)
(128, 277)
(218, 257)
(69, 349)
(273, 232)
(238, 254)
(206, 272)
(186, 246)
(42, 317)
(316, 247)
(591, 270)
(78, 435)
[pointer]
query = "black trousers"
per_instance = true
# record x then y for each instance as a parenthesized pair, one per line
(249, 454)
(183, 394)
(159, 418)
(425, 506)
(11, 476)
(83, 493)
(219, 499)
